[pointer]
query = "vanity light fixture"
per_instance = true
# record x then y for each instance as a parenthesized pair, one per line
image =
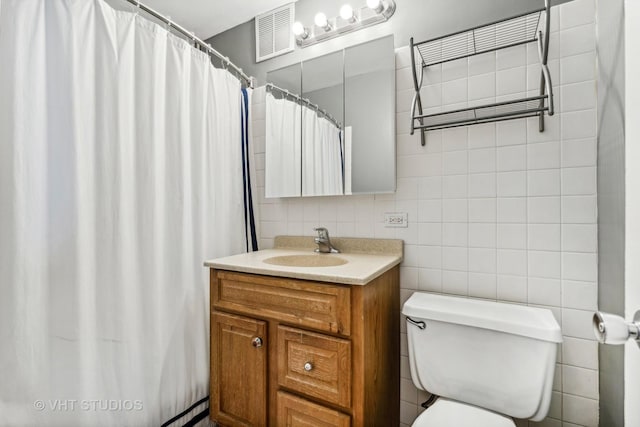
(346, 13)
(300, 31)
(375, 5)
(321, 21)
(349, 19)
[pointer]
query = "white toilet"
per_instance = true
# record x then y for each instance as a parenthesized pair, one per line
(486, 361)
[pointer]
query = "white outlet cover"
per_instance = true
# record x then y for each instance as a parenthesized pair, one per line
(396, 219)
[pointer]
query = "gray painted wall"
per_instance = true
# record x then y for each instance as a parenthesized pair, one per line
(329, 99)
(421, 19)
(611, 185)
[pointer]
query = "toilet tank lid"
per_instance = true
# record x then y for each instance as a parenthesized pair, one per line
(532, 322)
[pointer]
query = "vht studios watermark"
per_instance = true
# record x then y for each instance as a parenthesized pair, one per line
(70, 405)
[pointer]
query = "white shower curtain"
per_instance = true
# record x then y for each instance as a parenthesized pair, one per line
(322, 158)
(282, 147)
(120, 173)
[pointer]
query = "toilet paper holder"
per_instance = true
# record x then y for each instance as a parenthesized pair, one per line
(612, 329)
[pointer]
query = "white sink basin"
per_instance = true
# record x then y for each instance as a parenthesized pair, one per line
(311, 260)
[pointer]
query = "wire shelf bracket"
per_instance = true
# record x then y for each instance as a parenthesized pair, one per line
(532, 27)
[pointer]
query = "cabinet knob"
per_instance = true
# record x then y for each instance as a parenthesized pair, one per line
(308, 366)
(256, 342)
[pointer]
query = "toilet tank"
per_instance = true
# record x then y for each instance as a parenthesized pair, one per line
(494, 355)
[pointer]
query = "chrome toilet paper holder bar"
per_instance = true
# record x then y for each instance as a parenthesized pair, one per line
(615, 330)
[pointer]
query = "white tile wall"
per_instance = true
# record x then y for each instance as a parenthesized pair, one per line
(497, 211)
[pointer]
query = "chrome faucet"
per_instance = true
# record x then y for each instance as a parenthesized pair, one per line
(323, 242)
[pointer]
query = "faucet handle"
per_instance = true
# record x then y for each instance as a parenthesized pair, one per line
(323, 241)
(323, 233)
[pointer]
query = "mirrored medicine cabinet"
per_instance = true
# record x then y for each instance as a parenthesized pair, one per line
(330, 124)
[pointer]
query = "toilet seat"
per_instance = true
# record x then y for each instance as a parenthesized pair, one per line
(449, 413)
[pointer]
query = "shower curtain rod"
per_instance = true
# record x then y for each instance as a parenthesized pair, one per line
(306, 101)
(207, 47)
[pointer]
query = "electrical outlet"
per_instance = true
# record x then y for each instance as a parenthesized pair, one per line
(396, 219)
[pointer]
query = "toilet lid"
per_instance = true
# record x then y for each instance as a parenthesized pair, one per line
(449, 413)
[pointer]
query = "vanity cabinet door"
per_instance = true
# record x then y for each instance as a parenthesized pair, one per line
(293, 411)
(238, 370)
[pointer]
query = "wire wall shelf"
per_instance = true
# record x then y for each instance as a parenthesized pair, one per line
(511, 32)
(516, 109)
(532, 27)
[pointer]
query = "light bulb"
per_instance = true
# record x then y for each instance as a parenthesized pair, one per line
(346, 13)
(321, 20)
(298, 29)
(375, 5)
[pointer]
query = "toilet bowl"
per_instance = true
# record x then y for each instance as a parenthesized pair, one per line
(489, 362)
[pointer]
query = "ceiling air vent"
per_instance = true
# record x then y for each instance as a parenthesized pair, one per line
(273, 32)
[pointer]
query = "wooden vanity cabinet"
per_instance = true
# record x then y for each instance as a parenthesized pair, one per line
(289, 352)
(241, 370)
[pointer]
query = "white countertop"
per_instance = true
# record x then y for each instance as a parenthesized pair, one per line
(360, 269)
